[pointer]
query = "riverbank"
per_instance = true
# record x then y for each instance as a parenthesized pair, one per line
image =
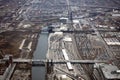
(26, 54)
(32, 45)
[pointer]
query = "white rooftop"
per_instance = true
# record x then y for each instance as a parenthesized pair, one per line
(75, 21)
(116, 15)
(102, 26)
(63, 28)
(64, 18)
(67, 39)
(64, 76)
(58, 33)
(112, 41)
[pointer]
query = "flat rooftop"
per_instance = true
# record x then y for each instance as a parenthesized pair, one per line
(109, 71)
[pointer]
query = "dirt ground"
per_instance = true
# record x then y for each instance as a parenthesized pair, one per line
(10, 42)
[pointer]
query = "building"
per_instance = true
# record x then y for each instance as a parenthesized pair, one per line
(109, 72)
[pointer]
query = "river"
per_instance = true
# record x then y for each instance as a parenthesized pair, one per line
(38, 73)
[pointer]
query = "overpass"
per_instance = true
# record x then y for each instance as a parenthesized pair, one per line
(40, 61)
(89, 6)
(51, 30)
(49, 64)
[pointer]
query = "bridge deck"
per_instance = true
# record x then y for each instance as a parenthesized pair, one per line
(58, 61)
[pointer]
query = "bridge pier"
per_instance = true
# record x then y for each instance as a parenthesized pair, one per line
(8, 59)
(49, 69)
(49, 66)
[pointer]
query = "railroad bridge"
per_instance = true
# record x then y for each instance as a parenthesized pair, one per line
(43, 61)
(10, 59)
(49, 64)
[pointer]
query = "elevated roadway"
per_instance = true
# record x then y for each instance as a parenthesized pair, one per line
(59, 61)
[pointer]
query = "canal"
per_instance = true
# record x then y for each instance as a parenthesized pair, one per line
(38, 73)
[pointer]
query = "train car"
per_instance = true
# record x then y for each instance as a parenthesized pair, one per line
(65, 54)
(69, 65)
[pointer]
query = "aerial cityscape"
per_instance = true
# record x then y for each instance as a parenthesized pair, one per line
(59, 39)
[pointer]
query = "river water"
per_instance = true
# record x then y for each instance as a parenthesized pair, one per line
(38, 73)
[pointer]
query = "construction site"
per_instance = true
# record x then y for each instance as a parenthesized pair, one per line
(59, 40)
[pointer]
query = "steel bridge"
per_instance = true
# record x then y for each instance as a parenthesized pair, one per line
(43, 61)
(49, 64)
